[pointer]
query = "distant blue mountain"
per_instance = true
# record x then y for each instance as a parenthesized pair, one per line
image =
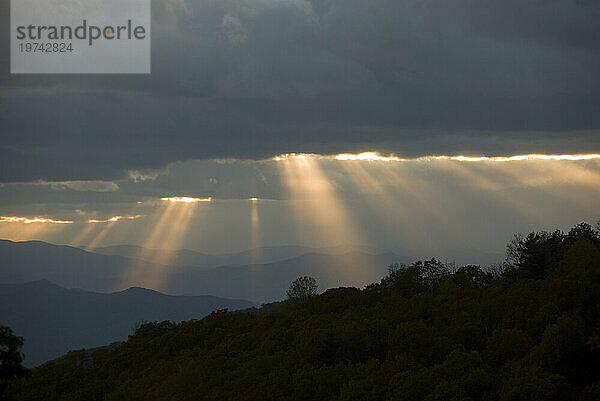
(267, 282)
(64, 265)
(54, 320)
(186, 257)
(247, 275)
(72, 267)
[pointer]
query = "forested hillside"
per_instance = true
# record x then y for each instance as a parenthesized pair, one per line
(527, 331)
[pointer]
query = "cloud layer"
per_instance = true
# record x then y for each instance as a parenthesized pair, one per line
(209, 206)
(250, 79)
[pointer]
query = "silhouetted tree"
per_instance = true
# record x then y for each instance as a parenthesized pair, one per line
(535, 254)
(394, 268)
(302, 288)
(432, 271)
(583, 232)
(10, 358)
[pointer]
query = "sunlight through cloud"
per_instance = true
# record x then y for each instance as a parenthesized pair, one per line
(172, 221)
(376, 157)
(316, 202)
(185, 199)
(26, 220)
(255, 239)
(115, 218)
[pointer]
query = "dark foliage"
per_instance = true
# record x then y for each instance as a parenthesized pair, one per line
(302, 288)
(11, 360)
(425, 332)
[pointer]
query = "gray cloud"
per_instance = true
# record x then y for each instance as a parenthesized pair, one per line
(82, 186)
(250, 79)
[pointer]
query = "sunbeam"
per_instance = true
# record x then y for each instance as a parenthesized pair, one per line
(82, 237)
(168, 235)
(315, 200)
(255, 230)
(318, 201)
(493, 186)
(389, 195)
(101, 235)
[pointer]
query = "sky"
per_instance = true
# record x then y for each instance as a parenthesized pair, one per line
(235, 83)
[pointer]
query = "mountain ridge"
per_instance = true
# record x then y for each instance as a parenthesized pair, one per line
(55, 319)
(72, 267)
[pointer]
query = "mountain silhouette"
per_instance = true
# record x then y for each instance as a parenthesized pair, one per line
(54, 320)
(72, 267)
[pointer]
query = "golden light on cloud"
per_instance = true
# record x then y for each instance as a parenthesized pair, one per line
(377, 157)
(300, 156)
(185, 199)
(521, 158)
(26, 220)
(115, 219)
(18, 228)
(368, 156)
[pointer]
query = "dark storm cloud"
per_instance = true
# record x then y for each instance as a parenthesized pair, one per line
(250, 79)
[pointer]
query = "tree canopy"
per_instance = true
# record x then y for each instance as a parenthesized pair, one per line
(302, 288)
